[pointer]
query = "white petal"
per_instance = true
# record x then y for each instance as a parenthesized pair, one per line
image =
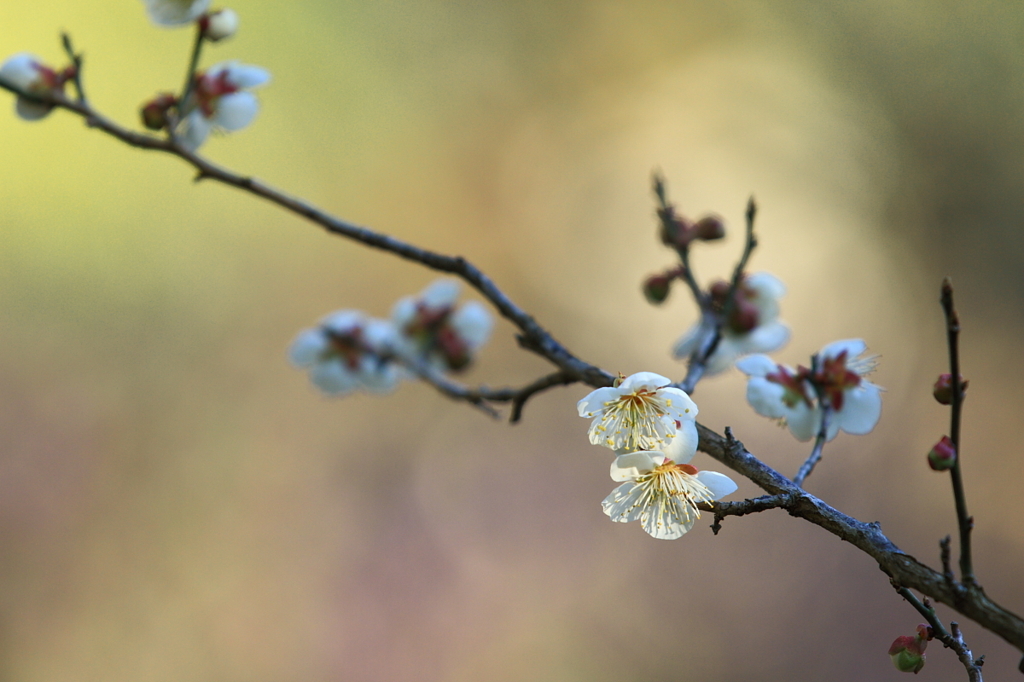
(403, 312)
(194, 130)
(768, 290)
(343, 321)
(623, 504)
(683, 447)
(235, 110)
(757, 365)
(804, 422)
(648, 380)
(630, 466)
(380, 335)
(441, 293)
(593, 402)
(31, 111)
(862, 406)
(766, 338)
(332, 377)
(172, 12)
(246, 75)
(473, 323)
(766, 398)
(307, 347)
(21, 70)
(853, 348)
(667, 518)
(687, 343)
(720, 485)
(729, 348)
(680, 404)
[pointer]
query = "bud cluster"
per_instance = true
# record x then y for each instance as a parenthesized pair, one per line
(907, 652)
(27, 72)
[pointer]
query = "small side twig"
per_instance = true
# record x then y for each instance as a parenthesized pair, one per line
(744, 507)
(190, 74)
(76, 60)
(954, 641)
(964, 521)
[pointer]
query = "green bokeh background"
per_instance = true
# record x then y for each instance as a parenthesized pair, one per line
(177, 503)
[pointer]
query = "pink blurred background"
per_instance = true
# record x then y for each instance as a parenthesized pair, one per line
(176, 502)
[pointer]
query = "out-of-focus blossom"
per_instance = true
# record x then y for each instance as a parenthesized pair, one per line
(349, 351)
(220, 100)
(794, 396)
(662, 494)
(436, 332)
(752, 326)
(219, 25)
(642, 413)
(27, 72)
(175, 12)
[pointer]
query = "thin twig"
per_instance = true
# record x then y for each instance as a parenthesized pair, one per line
(964, 521)
(819, 444)
(190, 74)
(954, 641)
(744, 507)
(536, 337)
(76, 59)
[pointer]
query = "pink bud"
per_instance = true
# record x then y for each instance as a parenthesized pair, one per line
(943, 455)
(943, 390)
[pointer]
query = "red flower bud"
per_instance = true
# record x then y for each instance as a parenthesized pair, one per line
(154, 112)
(709, 228)
(943, 455)
(657, 287)
(943, 390)
(907, 653)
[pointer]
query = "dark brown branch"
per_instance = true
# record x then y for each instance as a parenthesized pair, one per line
(953, 641)
(481, 397)
(970, 600)
(964, 522)
(536, 338)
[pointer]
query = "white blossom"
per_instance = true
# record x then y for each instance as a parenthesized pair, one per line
(662, 494)
(175, 12)
(642, 413)
(792, 396)
(348, 351)
(436, 332)
(753, 327)
(219, 100)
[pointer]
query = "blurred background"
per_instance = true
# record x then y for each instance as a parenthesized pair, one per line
(176, 501)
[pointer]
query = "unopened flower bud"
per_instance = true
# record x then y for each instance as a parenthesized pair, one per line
(709, 228)
(907, 653)
(943, 455)
(943, 389)
(676, 232)
(219, 25)
(154, 112)
(745, 316)
(657, 288)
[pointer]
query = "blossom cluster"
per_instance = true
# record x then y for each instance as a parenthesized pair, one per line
(349, 351)
(652, 427)
(218, 99)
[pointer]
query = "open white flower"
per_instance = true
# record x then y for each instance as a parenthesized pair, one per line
(436, 332)
(642, 413)
(347, 352)
(219, 100)
(175, 12)
(753, 326)
(780, 392)
(662, 494)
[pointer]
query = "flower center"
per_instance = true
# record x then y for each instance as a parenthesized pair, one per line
(678, 486)
(638, 417)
